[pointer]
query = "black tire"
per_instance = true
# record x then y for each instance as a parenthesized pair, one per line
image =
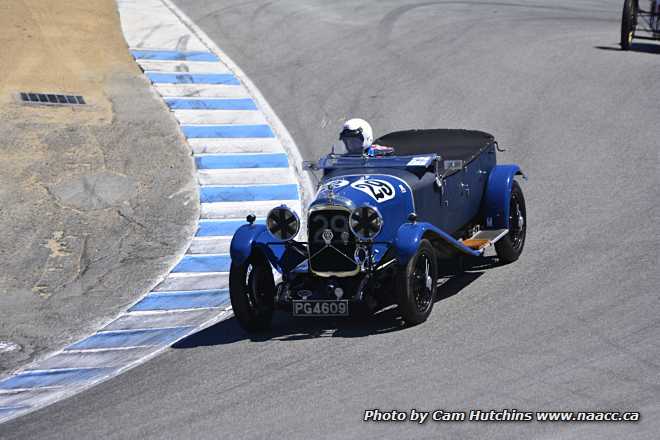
(252, 293)
(414, 297)
(510, 246)
(628, 24)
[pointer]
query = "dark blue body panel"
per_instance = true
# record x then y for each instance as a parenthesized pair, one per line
(459, 201)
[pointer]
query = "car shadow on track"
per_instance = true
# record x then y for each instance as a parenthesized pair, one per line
(635, 47)
(287, 328)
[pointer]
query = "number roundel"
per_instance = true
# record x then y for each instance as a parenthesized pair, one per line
(282, 223)
(365, 222)
(378, 189)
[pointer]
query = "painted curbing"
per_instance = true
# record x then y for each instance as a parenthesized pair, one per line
(246, 162)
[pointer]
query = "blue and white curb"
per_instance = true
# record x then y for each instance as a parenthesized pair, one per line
(246, 163)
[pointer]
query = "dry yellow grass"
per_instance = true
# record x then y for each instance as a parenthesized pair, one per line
(60, 46)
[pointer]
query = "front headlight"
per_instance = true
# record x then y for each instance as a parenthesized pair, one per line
(283, 223)
(365, 222)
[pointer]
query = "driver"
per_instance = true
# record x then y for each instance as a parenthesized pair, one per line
(358, 138)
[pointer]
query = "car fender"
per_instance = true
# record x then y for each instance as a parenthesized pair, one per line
(245, 238)
(498, 194)
(409, 235)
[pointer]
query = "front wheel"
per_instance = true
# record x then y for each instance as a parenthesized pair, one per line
(510, 246)
(417, 284)
(628, 23)
(252, 293)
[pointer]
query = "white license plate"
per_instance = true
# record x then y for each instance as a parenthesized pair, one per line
(320, 308)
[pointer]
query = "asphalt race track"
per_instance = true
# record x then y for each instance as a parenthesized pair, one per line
(572, 325)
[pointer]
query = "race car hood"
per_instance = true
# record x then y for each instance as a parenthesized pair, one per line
(391, 195)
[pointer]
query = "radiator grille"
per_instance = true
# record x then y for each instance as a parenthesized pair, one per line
(337, 258)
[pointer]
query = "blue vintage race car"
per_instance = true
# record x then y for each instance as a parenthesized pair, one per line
(378, 229)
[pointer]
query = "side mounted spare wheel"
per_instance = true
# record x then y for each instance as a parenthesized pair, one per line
(252, 292)
(416, 285)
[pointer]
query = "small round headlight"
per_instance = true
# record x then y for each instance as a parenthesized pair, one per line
(365, 222)
(283, 223)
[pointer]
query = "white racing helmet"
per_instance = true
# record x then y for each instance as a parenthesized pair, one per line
(357, 135)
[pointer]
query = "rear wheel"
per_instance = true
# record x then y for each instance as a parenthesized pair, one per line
(417, 285)
(510, 246)
(252, 293)
(628, 23)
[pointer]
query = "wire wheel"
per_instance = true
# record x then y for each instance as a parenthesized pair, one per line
(417, 284)
(422, 283)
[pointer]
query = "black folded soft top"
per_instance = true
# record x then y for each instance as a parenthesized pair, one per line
(450, 144)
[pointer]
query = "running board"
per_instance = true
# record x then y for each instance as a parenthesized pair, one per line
(483, 239)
